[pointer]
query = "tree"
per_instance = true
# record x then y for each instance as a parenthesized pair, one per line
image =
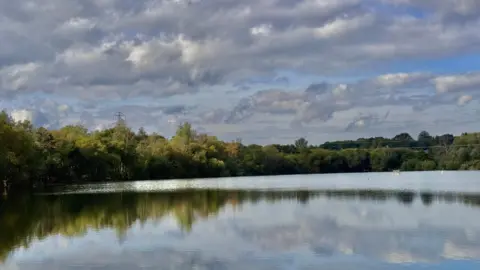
(403, 137)
(17, 153)
(424, 139)
(301, 144)
(141, 134)
(33, 157)
(445, 139)
(184, 135)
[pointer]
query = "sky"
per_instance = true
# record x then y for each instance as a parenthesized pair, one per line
(265, 71)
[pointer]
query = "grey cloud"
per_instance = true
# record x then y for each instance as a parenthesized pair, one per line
(459, 11)
(423, 103)
(319, 101)
(215, 116)
(181, 46)
(244, 88)
(266, 101)
(316, 111)
(87, 119)
(315, 105)
(282, 80)
(246, 84)
(242, 111)
(366, 121)
(175, 109)
(317, 88)
(119, 49)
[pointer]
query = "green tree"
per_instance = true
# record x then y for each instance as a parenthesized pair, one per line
(301, 144)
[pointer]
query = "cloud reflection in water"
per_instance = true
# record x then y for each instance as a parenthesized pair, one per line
(261, 230)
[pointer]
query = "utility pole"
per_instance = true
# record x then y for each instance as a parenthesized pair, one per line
(120, 119)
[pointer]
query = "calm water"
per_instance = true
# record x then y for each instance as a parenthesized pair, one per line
(356, 221)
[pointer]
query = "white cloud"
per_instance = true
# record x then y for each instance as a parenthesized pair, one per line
(340, 90)
(22, 115)
(464, 99)
(109, 50)
(37, 118)
(341, 26)
(19, 76)
(205, 42)
(261, 30)
(454, 83)
(82, 56)
(401, 79)
(76, 25)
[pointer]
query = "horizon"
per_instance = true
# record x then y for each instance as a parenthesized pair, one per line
(114, 124)
(269, 71)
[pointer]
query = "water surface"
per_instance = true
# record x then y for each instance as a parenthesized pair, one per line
(379, 221)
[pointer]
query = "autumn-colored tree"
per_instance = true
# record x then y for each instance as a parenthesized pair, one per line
(37, 157)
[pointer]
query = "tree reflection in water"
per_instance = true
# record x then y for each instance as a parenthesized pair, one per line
(28, 218)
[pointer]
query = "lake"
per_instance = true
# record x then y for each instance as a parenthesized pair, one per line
(418, 220)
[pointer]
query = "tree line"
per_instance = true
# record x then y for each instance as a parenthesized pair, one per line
(36, 157)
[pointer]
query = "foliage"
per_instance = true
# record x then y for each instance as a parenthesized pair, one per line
(31, 157)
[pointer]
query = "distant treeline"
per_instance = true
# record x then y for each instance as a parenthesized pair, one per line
(37, 157)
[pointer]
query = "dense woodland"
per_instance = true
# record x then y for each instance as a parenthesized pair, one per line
(37, 157)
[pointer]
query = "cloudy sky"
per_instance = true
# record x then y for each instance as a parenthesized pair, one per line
(261, 70)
